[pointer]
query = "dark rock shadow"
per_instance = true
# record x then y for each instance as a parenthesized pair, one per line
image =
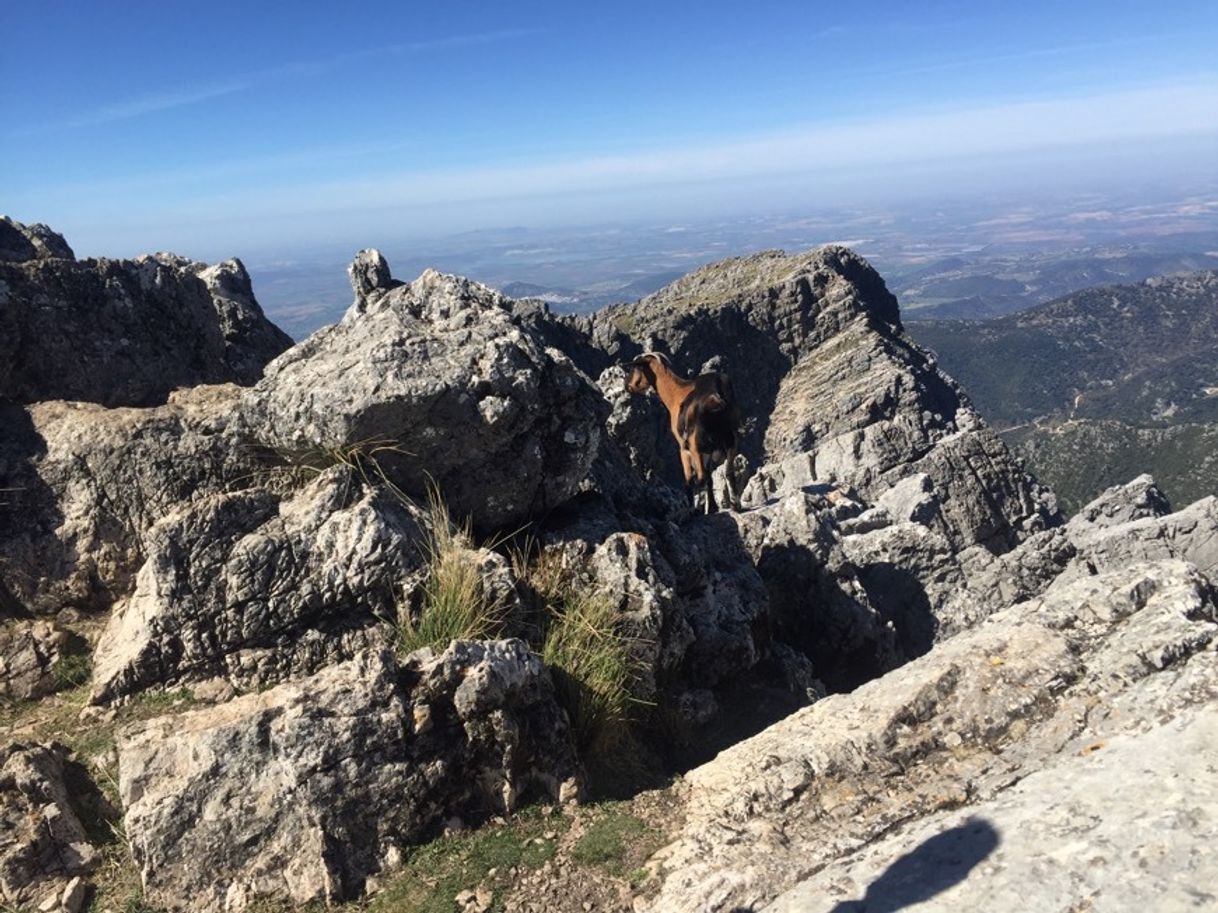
(29, 509)
(899, 596)
(928, 869)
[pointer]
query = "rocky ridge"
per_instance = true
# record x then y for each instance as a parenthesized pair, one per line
(254, 547)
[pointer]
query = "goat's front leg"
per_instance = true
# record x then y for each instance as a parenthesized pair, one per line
(687, 467)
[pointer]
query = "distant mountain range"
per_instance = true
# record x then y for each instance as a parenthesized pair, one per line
(985, 284)
(1099, 383)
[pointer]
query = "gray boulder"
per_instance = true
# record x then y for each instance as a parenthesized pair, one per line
(301, 793)
(80, 486)
(257, 589)
(436, 379)
(123, 332)
(44, 845)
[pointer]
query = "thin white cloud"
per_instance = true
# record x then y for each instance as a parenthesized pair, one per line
(182, 96)
(1133, 115)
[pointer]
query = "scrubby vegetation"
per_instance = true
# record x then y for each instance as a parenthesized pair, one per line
(455, 604)
(592, 668)
(573, 628)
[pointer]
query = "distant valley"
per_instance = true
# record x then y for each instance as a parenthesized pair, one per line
(1099, 384)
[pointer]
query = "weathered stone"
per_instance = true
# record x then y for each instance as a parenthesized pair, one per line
(369, 273)
(44, 845)
(1081, 832)
(29, 653)
(80, 485)
(823, 372)
(256, 589)
(454, 394)
(302, 792)
(1134, 500)
(19, 243)
(123, 332)
(1190, 534)
(1093, 659)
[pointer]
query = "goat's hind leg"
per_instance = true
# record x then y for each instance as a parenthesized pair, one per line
(731, 477)
(700, 472)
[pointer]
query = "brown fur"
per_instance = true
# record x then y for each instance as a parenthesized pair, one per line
(703, 418)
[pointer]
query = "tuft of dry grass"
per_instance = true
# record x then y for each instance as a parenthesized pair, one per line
(455, 604)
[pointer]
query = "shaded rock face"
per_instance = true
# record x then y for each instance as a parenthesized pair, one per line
(44, 844)
(80, 486)
(437, 371)
(122, 332)
(1119, 661)
(255, 589)
(366, 758)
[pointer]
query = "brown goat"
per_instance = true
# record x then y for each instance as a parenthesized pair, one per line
(703, 416)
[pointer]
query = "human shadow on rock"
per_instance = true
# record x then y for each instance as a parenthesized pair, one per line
(930, 868)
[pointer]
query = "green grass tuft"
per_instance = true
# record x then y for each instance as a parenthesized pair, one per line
(455, 605)
(592, 668)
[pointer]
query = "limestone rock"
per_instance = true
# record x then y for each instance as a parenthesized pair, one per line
(826, 378)
(1075, 832)
(1134, 500)
(20, 243)
(80, 485)
(303, 792)
(369, 273)
(253, 588)
(123, 332)
(459, 397)
(29, 653)
(1190, 534)
(44, 844)
(1044, 681)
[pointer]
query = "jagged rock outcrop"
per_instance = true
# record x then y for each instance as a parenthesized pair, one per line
(254, 588)
(80, 486)
(833, 390)
(125, 332)
(341, 771)
(455, 395)
(22, 243)
(44, 849)
(1126, 656)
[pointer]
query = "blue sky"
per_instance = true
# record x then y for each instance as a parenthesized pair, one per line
(212, 128)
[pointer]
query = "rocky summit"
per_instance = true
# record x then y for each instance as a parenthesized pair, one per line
(379, 619)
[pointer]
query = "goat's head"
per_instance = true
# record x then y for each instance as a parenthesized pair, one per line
(641, 373)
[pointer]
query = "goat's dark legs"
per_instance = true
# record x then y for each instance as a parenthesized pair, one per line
(700, 472)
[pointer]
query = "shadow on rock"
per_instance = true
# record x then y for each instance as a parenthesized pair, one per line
(28, 507)
(930, 868)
